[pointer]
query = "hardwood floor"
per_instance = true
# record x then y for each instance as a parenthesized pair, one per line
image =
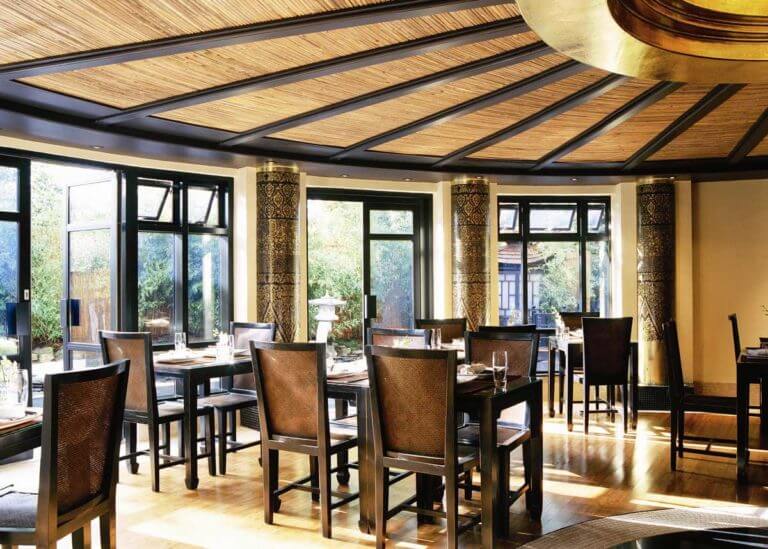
(585, 477)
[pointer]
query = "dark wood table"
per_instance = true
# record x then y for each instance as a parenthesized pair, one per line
(570, 351)
(749, 370)
(18, 441)
(482, 399)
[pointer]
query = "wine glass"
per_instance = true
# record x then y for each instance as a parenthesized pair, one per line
(180, 342)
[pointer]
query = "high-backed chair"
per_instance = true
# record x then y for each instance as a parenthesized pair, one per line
(83, 415)
(572, 320)
(513, 431)
(142, 407)
(241, 393)
(607, 349)
(687, 401)
(423, 441)
(400, 337)
(450, 328)
(735, 334)
(292, 391)
(519, 329)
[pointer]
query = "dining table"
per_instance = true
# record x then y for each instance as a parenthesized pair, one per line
(751, 368)
(568, 349)
(20, 437)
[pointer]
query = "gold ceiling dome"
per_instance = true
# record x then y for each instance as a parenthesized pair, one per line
(704, 41)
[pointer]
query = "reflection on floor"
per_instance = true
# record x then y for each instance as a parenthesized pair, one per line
(585, 478)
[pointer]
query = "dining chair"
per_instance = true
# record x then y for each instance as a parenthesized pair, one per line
(142, 407)
(420, 439)
(80, 443)
(607, 351)
(737, 348)
(518, 329)
(683, 401)
(572, 321)
(450, 328)
(291, 385)
(240, 393)
(400, 337)
(514, 428)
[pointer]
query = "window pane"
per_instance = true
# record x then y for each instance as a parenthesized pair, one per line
(206, 276)
(599, 265)
(553, 218)
(509, 219)
(553, 280)
(89, 282)
(85, 359)
(203, 206)
(596, 218)
(93, 202)
(9, 281)
(391, 222)
(9, 192)
(157, 292)
(392, 282)
(510, 283)
(155, 201)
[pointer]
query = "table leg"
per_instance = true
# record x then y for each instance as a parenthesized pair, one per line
(569, 394)
(190, 424)
(742, 425)
(535, 496)
(764, 407)
(366, 469)
(489, 476)
(634, 384)
(551, 388)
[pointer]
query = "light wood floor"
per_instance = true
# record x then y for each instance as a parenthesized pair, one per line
(585, 477)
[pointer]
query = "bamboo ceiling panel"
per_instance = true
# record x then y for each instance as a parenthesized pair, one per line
(137, 82)
(43, 28)
(538, 141)
(350, 128)
(623, 141)
(248, 111)
(445, 138)
(761, 149)
(717, 134)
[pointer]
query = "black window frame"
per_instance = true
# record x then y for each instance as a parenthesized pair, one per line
(582, 235)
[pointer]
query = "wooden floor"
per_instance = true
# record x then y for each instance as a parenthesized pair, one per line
(585, 477)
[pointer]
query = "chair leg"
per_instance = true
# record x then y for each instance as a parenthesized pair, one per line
(270, 463)
(166, 440)
(452, 509)
(561, 378)
(680, 431)
(503, 494)
(154, 456)
(324, 470)
(612, 402)
(223, 416)
(233, 423)
(468, 485)
(314, 473)
(210, 442)
(673, 423)
(527, 473)
(129, 432)
(586, 409)
(181, 452)
(108, 529)
(81, 539)
(625, 406)
(382, 501)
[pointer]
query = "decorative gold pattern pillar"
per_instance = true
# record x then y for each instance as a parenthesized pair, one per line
(277, 203)
(655, 274)
(470, 205)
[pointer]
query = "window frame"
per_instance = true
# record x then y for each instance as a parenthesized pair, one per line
(582, 236)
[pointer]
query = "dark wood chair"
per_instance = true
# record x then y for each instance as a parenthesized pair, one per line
(572, 321)
(450, 328)
(737, 348)
(421, 439)
(683, 401)
(240, 394)
(607, 351)
(293, 409)
(142, 407)
(519, 329)
(83, 415)
(513, 431)
(391, 337)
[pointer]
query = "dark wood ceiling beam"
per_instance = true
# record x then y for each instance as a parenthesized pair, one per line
(616, 118)
(393, 52)
(582, 96)
(467, 70)
(527, 85)
(716, 97)
(317, 22)
(754, 136)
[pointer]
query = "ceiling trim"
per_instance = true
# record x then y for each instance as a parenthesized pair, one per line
(754, 136)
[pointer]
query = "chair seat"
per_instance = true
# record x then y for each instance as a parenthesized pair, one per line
(508, 436)
(170, 410)
(18, 510)
(710, 403)
(349, 422)
(229, 401)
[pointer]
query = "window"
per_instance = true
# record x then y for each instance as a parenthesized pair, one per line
(207, 266)
(509, 218)
(157, 285)
(155, 200)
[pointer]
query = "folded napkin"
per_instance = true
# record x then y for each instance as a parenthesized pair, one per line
(757, 352)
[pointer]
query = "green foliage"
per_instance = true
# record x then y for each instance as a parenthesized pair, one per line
(559, 286)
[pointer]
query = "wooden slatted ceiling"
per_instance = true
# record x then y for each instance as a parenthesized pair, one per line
(251, 110)
(350, 128)
(717, 134)
(44, 28)
(130, 84)
(623, 141)
(761, 149)
(445, 138)
(537, 142)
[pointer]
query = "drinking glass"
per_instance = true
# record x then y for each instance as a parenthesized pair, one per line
(231, 339)
(180, 341)
(499, 367)
(437, 339)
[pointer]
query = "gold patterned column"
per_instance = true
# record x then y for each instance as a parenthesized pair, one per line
(655, 274)
(277, 203)
(470, 205)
